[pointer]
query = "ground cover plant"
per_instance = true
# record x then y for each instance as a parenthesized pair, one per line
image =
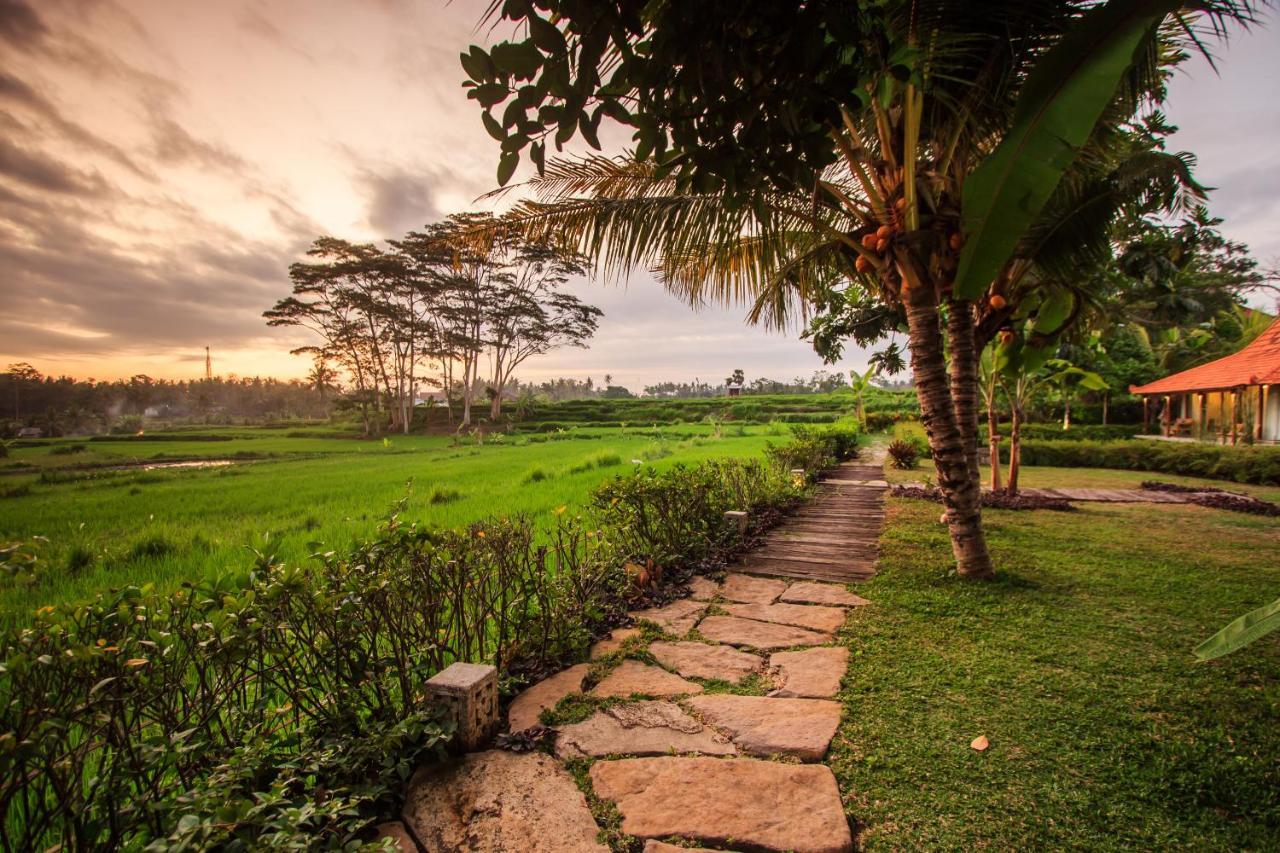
(283, 707)
(1076, 664)
(291, 497)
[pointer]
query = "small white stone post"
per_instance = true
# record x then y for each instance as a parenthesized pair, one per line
(739, 518)
(470, 692)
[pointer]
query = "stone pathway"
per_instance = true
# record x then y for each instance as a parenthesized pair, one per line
(705, 723)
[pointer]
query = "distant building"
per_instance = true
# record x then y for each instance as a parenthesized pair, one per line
(30, 432)
(733, 389)
(1229, 400)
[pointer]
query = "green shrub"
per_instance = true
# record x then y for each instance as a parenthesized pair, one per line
(80, 558)
(903, 454)
(1078, 432)
(67, 449)
(151, 548)
(1260, 465)
(815, 450)
(440, 495)
(535, 475)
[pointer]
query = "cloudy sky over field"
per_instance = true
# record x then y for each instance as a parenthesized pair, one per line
(163, 161)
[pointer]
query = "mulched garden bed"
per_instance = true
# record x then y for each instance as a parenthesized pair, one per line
(1215, 498)
(993, 500)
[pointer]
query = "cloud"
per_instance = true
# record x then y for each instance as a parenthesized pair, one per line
(20, 26)
(44, 173)
(399, 200)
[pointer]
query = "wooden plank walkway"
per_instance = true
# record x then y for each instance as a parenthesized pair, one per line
(834, 536)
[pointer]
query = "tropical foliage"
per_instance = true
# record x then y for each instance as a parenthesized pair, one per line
(900, 163)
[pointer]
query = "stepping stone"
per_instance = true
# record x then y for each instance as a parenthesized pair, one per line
(703, 589)
(808, 592)
(652, 846)
(765, 636)
(497, 800)
(640, 728)
(815, 618)
(613, 642)
(763, 725)
(528, 706)
(753, 805)
(700, 660)
(677, 617)
(633, 677)
(750, 589)
(812, 673)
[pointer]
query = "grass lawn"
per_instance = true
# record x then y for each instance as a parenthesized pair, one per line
(114, 528)
(1076, 664)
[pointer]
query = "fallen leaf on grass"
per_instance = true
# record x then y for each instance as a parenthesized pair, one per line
(980, 743)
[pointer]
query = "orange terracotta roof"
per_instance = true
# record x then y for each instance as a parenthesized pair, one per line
(1256, 364)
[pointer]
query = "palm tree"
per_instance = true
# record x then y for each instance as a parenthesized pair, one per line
(986, 148)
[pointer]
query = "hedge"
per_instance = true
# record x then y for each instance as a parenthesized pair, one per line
(284, 708)
(1241, 464)
(1078, 432)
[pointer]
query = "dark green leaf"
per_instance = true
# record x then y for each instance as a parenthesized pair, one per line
(507, 166)
(1241, 632)
(520, 59)
(491, 125)
(1060, 103)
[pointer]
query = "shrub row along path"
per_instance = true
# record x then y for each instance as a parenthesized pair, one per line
(1150, 496)
(705, 724)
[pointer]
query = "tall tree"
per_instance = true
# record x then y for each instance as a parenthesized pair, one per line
(910, 147)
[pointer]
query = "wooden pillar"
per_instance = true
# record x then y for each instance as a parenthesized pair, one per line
(1204, 416)
(1146, 415)
(1235, 418)
(1167, 415)
(1257, 429)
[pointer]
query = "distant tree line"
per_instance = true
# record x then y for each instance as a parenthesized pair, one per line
(821, 382)
(434, 310)
(63, 405)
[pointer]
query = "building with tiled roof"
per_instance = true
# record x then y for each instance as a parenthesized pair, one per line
(1232, 399)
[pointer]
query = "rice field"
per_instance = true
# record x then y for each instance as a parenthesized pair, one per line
(117, 513)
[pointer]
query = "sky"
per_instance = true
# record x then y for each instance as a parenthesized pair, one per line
(162, 162)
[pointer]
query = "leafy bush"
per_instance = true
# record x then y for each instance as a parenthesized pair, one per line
(815, 450)
(881, 421)
(67, 449)
(536, 475)
(440, 495)
(284, 707)
(1259, 465)
(903, 454)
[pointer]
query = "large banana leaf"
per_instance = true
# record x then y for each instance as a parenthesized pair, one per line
(1252, 626)
(1057, 109)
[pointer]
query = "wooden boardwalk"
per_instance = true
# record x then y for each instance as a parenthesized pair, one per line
(834, 536)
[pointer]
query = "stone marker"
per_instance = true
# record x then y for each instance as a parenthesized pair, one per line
(754, 805)
(470, 693)
(812, 673)
(751, 590)
(613, 642)
(499, 800)
(700, 660)
(766, 636)
(633, 677)
(639, 728)
(762, 725)
(528, 706)
(816, 618)
(703, 589)
(809, 592)
(399, 836)
(677, 617)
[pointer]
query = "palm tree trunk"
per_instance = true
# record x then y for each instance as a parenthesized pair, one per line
(964, 379)
(993, 442)
(961, 494)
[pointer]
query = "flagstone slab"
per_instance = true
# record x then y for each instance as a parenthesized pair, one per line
(497, 800)
(764, 725)
(632, 678)
(701, 660)
(652, 846)
(752, 805)
(765, 636)
(749, 589)
(613, 642)
(703, 589)
(809, 592)
(810, 616)
(677, 617)
(640, 728)
(528, 706)
(811, 673)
